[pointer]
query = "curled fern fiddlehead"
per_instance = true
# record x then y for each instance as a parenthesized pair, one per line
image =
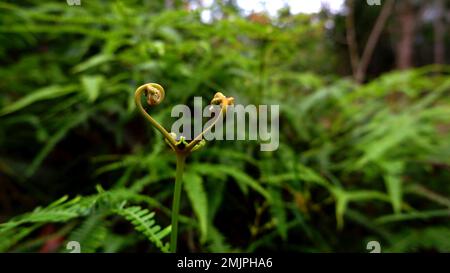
(155, 95)
(218, 99)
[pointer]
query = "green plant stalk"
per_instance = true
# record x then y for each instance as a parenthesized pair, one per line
(181, 159)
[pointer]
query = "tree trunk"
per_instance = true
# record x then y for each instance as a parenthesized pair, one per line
(405, 46)
(369, 48)
(351, 37)
(168, 4)
(439, 33)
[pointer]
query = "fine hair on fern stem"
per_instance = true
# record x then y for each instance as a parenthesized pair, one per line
(155, 94)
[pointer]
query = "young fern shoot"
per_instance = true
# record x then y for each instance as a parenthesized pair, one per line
(155, 94)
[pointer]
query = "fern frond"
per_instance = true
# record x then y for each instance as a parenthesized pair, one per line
(90, 234)
(59, 211)
(62, 210)
(142, 220)
(11, 237)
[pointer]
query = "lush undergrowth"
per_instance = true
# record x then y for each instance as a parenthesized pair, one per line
(355, 163)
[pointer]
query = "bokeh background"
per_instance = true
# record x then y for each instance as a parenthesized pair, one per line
(364, 125)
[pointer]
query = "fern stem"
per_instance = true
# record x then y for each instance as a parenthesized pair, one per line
(181, 158)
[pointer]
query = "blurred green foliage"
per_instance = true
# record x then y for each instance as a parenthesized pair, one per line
(355, 163)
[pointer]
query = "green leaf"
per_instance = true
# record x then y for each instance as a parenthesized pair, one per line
(91, 86)
(341, 206)
(343, 198)
(393, 181)
(92, 62)
(420, 215)
(193, 184)
(394, 188)
(50, 92)
(240, 176)
(278, 211)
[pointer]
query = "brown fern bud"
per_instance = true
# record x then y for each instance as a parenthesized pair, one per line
(154, 93)
(220, 99)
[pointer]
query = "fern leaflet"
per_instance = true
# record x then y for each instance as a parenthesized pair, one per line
(142, 220)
